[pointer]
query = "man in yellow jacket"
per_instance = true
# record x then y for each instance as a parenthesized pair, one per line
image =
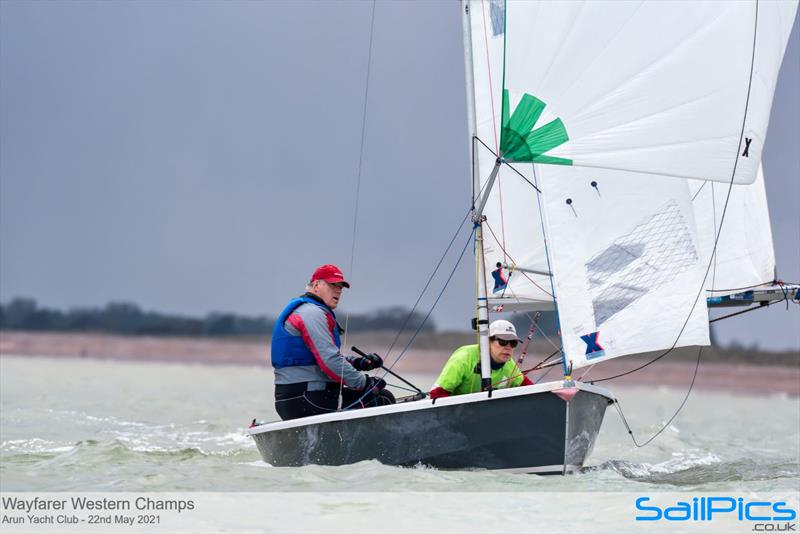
(462, 372)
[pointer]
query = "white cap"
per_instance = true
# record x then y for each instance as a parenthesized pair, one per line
(503, 330)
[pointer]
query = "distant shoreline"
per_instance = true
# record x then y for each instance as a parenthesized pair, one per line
(675, 370)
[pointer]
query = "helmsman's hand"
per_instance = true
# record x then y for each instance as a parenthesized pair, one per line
(375, 360)
(367, 363)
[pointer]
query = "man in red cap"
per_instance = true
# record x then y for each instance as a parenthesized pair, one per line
(310, 370)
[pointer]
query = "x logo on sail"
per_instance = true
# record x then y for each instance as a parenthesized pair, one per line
(593, 347)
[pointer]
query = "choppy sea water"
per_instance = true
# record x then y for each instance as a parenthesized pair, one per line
(92, 425)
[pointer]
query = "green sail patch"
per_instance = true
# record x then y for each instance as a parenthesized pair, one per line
(519, 141)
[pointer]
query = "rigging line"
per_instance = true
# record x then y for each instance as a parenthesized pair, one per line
(528, 315)
(404, 388)
(753, 308)
(698, 190)
(361, 148)
(722, 217)
(528, 338)
(539, 378)
(565, 368)
(526, 371)
(433, 306)
(430, 279)
(427, 284)
(664, 427)
(358, 180)
(422, 324)
(507, 164)
(515, 263)
(586, 373)
(714, 215)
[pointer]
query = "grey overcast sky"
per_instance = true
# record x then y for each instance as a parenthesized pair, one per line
(202, 156)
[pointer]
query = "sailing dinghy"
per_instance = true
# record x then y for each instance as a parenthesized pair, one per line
(600, 134)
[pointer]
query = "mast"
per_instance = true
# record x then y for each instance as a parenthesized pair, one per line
(482, 296)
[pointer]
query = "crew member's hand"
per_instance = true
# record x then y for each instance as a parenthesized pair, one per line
(374, 384)
(367, 363)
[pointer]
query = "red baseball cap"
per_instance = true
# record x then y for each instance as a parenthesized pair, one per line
(329, 273)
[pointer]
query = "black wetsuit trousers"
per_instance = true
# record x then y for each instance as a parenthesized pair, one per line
(293, 400)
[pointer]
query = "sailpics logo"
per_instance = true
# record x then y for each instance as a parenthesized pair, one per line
(593, 347)
(767, 515)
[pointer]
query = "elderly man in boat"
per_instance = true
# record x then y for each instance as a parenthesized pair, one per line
(310, 370)
(462, 372)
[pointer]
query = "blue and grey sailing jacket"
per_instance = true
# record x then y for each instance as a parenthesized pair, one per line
(305, 346)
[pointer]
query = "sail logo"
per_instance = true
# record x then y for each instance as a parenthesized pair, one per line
(521, 142)
(710, 508)
(593, 347)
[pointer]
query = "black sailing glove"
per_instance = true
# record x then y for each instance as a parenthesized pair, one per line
(374, 385)
(367, 363)
(361, 364)
(375, 360)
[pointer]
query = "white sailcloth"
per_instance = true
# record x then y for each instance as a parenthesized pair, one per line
(635, 97)
(661, 87)
(629, 270)
(745, 255)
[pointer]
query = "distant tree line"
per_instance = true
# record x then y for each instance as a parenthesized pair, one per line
(128, 319)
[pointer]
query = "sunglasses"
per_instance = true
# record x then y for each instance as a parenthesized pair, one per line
(504, 342)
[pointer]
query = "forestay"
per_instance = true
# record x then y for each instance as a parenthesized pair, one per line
(669, 88)
(745, 255)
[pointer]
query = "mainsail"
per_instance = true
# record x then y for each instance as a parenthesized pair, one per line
(606, 109)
